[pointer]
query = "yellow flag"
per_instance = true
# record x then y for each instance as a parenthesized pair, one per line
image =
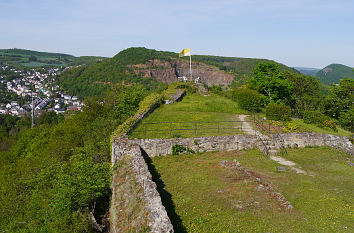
(185, 52)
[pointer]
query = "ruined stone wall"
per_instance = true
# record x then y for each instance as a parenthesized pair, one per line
(156, 147)
(124, 151)
(130, 152)
(317, 139)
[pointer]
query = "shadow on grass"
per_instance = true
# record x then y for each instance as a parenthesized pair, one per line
(166, 197)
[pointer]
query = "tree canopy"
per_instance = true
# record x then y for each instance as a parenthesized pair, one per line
(271, 83)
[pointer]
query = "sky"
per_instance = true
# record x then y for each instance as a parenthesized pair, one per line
(297, 33)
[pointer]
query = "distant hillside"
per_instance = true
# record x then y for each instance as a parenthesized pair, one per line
(334, 72)
(307, 71)
(241, 68)
(29, 58)
(150, 67)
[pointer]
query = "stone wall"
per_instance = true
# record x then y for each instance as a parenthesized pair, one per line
(156, 147)
(317, 139)
(158, 220)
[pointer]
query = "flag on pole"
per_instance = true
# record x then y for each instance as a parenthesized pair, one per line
(185, 52)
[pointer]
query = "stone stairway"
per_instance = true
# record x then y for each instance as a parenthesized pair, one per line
(268, 146)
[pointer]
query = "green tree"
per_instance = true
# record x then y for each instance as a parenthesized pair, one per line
(278, 112)
(340, 98)
(306, 92)
(247, 99)
(271, 83)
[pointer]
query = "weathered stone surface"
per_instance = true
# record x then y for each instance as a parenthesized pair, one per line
(177, 97)
(168, 71)
(157, 147)
(157, 215)
(317, 139)
(262, 185)
(281, 169)
(260, 188)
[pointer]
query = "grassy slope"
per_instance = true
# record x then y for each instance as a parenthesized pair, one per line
(209, 198)
(303, 127)
(193, 107)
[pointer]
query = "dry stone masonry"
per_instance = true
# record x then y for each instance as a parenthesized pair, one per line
(157, 215)
(158, 219)
(262, 185)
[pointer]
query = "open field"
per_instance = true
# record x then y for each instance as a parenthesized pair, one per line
(193, 108)
(202, 196)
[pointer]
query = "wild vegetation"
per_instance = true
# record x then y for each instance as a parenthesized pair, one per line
(57, 173)
(302, 95)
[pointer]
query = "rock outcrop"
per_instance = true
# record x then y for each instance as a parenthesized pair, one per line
(169, 71)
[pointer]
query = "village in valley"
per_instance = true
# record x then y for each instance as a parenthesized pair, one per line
(34, 89)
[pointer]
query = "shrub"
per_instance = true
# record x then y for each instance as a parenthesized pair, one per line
(144, 106)
(247, 99)
(346, 119)
(178, 149)
(291, 127)
(319, 119)
(278, 112)
(313, 117)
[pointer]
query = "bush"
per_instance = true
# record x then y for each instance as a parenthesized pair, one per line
(346, 119)
(178, 149)
(291, 127)
(247, 99)
(319, 119)
(278, 112)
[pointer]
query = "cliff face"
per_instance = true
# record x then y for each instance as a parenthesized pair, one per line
(168, 71)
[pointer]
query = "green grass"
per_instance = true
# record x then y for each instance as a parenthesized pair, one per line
(303, 127)
(202, 196)
(193, 108)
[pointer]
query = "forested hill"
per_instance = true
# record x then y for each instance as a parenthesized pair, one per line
(30, 58)
(151, 68)
(334, 72)
(239, 66)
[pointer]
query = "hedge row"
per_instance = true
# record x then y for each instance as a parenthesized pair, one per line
(146, 105)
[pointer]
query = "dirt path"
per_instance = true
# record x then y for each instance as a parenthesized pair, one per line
(288, 163)
(247, 128)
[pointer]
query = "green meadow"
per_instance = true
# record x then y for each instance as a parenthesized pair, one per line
(202, 196)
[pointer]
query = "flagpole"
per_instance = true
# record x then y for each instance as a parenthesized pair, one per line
(190, 64)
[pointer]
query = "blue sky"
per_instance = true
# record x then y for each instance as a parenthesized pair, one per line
(308, 33)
